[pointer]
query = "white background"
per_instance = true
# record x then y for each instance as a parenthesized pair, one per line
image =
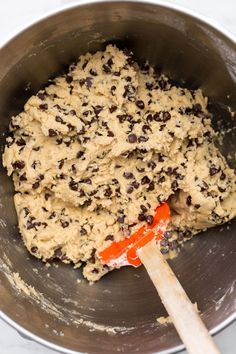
(15, 13)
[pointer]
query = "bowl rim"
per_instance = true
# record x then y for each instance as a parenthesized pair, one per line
(60, 9)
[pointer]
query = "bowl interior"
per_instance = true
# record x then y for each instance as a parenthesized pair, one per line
(117, 314)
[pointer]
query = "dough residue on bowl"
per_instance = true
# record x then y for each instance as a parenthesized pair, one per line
(94, 153)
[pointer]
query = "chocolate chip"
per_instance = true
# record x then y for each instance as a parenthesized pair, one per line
(204, 187)
(93, 72)
(189, 200)
(34, 164)
(35, 185)
(162, 83)
(142, 139)
(146, 128)
(61, 176)
(34, 249)
(30, 225)
(116, 73)
(82, 82)
(43, 106)
(164, 250)
(122, 117)
(197, 108)
(57, 253)
(97, 109)
(117, 190)
(52, 133)
(69, 79)
(113, 88)
(135, 184)
(213, 170)
(151, 186)
(86, 181)
(169, 171)
(149, 219)
(59, 120)
(91, 194)
(130, 56)
(149, 86)
(110, 62)
(121, 219)
(130, 189)
(95, 271)
(197, 206)
(222, 176)
(149, 118)
(73, 112)
(41, 96)
(89, 82)
(164, 242)
(40, 177)
(161, 179)
(128, 175)
(145, 180)
(157, 117)
(83, 231)
(132, 138)
(64, 224)
(18, 164)
(188, 234)
(140, 104)
(81, 132)
(110, 133)
(95, 169)
(108, 192)
(81, 193)
(142, 217)
(47, 196)
(112, 109)
(59, 141)
(162, 126)
(106, 68)
(20, 142)
(70, 127)
(129, 92)
(79, 154)
(167, 234)
(109, 238)
(143, 208)
(174, 185)
(23, 177)
(84, 64)
(166, 116)
(73, 185)
(151, 164)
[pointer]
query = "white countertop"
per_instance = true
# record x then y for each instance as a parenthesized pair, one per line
(15, 13)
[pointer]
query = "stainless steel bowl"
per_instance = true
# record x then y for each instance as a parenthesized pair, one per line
(83, 317)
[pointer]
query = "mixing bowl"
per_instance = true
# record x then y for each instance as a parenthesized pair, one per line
(56, 306)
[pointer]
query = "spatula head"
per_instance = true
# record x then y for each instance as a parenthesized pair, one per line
(124, 252)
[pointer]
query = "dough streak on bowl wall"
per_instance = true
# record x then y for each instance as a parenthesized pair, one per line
(95, 152)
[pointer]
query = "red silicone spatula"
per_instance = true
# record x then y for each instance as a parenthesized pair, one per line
(141, 248)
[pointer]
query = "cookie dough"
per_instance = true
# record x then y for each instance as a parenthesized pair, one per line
(97, 150)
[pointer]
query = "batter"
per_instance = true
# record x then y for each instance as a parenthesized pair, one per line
(95, 152)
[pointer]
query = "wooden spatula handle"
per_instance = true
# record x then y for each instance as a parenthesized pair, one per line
(186, 320)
